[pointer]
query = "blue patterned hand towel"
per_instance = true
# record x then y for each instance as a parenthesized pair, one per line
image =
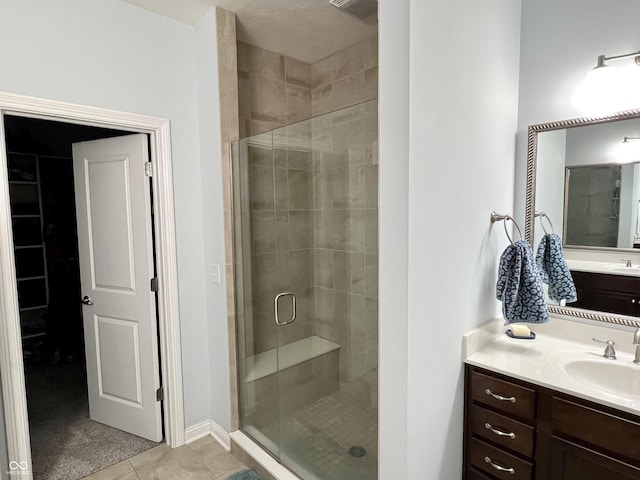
(519, 286)
(554, 270)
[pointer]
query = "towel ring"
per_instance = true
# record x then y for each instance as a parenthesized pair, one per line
(496, 217)
(544, 215)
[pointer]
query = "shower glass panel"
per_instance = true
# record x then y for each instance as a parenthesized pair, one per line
(306, 254)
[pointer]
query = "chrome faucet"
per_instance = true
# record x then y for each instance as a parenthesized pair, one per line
(636, 342)
(628, 260)
(609, 351)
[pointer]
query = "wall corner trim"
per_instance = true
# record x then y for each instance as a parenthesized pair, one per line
(208, 427)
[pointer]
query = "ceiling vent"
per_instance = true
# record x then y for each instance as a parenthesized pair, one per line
(359, 8)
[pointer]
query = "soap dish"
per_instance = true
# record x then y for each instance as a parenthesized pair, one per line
(529, 337)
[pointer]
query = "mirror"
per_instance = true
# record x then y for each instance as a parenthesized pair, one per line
(584, 175)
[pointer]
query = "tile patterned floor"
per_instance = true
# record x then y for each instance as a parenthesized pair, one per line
(317, 439)
(325, 431)
(204, 459)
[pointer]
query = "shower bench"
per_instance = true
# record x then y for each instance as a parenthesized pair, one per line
(290, 377)
(294, 353)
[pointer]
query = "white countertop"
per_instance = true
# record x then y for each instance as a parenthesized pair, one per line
(604, 267)
(537, 361)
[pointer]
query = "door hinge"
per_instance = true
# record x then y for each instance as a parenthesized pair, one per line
(160, 394)
(154, 284)
(148, 169)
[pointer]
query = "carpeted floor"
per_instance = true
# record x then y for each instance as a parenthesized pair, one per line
(65, 443)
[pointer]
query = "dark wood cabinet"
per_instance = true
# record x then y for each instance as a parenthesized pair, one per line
(571, 461)
(518, 430)
(607, 293)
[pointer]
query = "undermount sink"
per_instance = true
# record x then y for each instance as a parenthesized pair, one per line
(618, 377)
(615, 268)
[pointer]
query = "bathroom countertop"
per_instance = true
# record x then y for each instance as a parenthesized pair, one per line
(602, 267)
(537, 361)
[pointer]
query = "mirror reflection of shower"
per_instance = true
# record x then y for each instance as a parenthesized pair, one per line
(599, 205)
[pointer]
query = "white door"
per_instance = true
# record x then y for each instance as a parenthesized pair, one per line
(116, 265)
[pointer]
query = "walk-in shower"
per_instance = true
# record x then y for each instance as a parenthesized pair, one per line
(306, 270)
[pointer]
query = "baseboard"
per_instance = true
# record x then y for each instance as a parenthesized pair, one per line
(208, 427)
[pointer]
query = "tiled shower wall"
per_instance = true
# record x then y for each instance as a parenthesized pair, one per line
(276, 90)
(313, 219)
(345, 238)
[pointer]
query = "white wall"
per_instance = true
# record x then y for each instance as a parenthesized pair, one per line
(213, 215)
(552, 147)
(461, 103)
(560, 42)
(110, 54)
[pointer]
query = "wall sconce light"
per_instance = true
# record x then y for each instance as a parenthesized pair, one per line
(608, 89)
(628, 150)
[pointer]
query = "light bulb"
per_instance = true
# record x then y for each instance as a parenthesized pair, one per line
(627, 151)
(604, 90)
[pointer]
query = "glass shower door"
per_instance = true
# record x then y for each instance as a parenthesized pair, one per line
(305, 217)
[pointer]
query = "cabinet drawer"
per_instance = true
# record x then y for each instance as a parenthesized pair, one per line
(473, 474)
(501, 430)
(604, 430)
(507, 397)
(510, 466)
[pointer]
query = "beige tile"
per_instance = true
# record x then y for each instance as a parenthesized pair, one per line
(297, 72)
(282, 230)
(370, 52)
(264, 276)
(220, 462)
(281, 185)
(300, 190)
(261, 156)
(120, 471)
(300, 160)
(347, 62)
(244, 57)
(349, 272)
(301, 265)
(167, 464)
(300, 233)
(371, 220)
(371, 186)
(371, 275)
(321, 72)
(356, 192)
(257, 126)
(298, 103)
(269, 65)
(323, 268)
(347, 91)
(321, 99)
(268, 100)
(370, 89)
(261, 195)
(263, 232)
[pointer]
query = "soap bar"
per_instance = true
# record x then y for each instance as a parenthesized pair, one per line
(520, 330)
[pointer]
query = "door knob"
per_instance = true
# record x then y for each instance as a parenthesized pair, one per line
(86, 300)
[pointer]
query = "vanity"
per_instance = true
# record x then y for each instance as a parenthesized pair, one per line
(550, 408)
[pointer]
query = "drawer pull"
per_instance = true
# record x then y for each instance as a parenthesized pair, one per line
(500, 397)
(498, 467)
(500, 433)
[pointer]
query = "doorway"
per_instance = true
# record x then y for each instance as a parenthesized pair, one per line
(11, 354)
(66, 442)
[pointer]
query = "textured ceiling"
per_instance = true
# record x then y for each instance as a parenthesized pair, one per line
(304, 29)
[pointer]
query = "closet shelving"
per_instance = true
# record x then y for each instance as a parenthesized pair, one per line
(28, 237)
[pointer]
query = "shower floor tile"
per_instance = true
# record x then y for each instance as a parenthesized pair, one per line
(318, 439)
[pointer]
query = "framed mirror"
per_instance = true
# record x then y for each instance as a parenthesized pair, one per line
(584, 175)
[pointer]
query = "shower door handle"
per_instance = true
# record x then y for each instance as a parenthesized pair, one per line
(293, 307)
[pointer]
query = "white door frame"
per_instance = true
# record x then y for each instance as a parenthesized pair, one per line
(11, 360)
